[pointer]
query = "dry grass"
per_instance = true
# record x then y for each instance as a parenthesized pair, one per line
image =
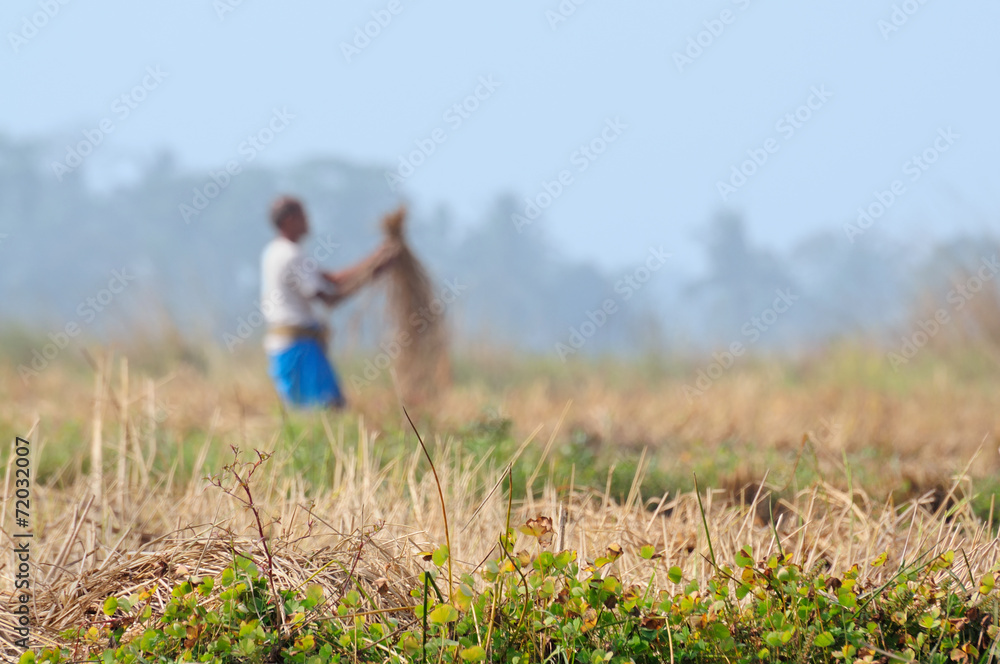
(920, 434)
(132, 526)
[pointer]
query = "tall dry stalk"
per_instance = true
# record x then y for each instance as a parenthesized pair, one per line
(123, 438)
(97, 436)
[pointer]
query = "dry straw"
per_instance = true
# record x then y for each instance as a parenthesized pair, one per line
(422, 368)
(369, 522)
(369, 527)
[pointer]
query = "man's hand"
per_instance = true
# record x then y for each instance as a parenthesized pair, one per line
(349, 281)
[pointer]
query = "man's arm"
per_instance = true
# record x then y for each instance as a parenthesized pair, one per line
(349, 281)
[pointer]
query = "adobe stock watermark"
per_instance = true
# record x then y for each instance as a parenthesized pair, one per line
(419, 321)
(714, 29)
(218, 181)
(20, 497)
(828, 432)
(87, 312)
(582, 159)
(121, 108)
(224, 7)
(752, 330)
(900, 16)
(562, 13)
(786, 126)
(306, 269)
(363, 35)
(455, 116)
(958, 297)
(914, 168)
(627, 286)
(32, 24)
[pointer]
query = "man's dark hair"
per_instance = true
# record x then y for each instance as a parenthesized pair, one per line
(284, 207)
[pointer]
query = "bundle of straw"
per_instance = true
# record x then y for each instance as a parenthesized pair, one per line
(422, 368)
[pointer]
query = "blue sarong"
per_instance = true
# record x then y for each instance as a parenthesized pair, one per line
(304, 377)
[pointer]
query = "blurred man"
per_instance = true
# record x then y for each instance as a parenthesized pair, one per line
(292, 282)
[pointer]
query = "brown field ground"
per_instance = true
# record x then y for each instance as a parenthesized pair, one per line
(835, 458)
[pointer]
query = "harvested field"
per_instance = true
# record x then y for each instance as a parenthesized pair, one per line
(345, 504)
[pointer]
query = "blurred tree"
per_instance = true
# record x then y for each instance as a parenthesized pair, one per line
(741, 280)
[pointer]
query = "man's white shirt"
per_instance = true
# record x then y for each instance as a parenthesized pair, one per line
(290, 281)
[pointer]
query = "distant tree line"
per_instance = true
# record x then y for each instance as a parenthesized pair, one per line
(62, 240)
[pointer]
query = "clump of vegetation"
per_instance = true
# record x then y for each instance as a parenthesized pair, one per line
(550, 606)
(520, 606)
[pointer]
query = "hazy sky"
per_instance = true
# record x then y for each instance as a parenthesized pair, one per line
(681, 126)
